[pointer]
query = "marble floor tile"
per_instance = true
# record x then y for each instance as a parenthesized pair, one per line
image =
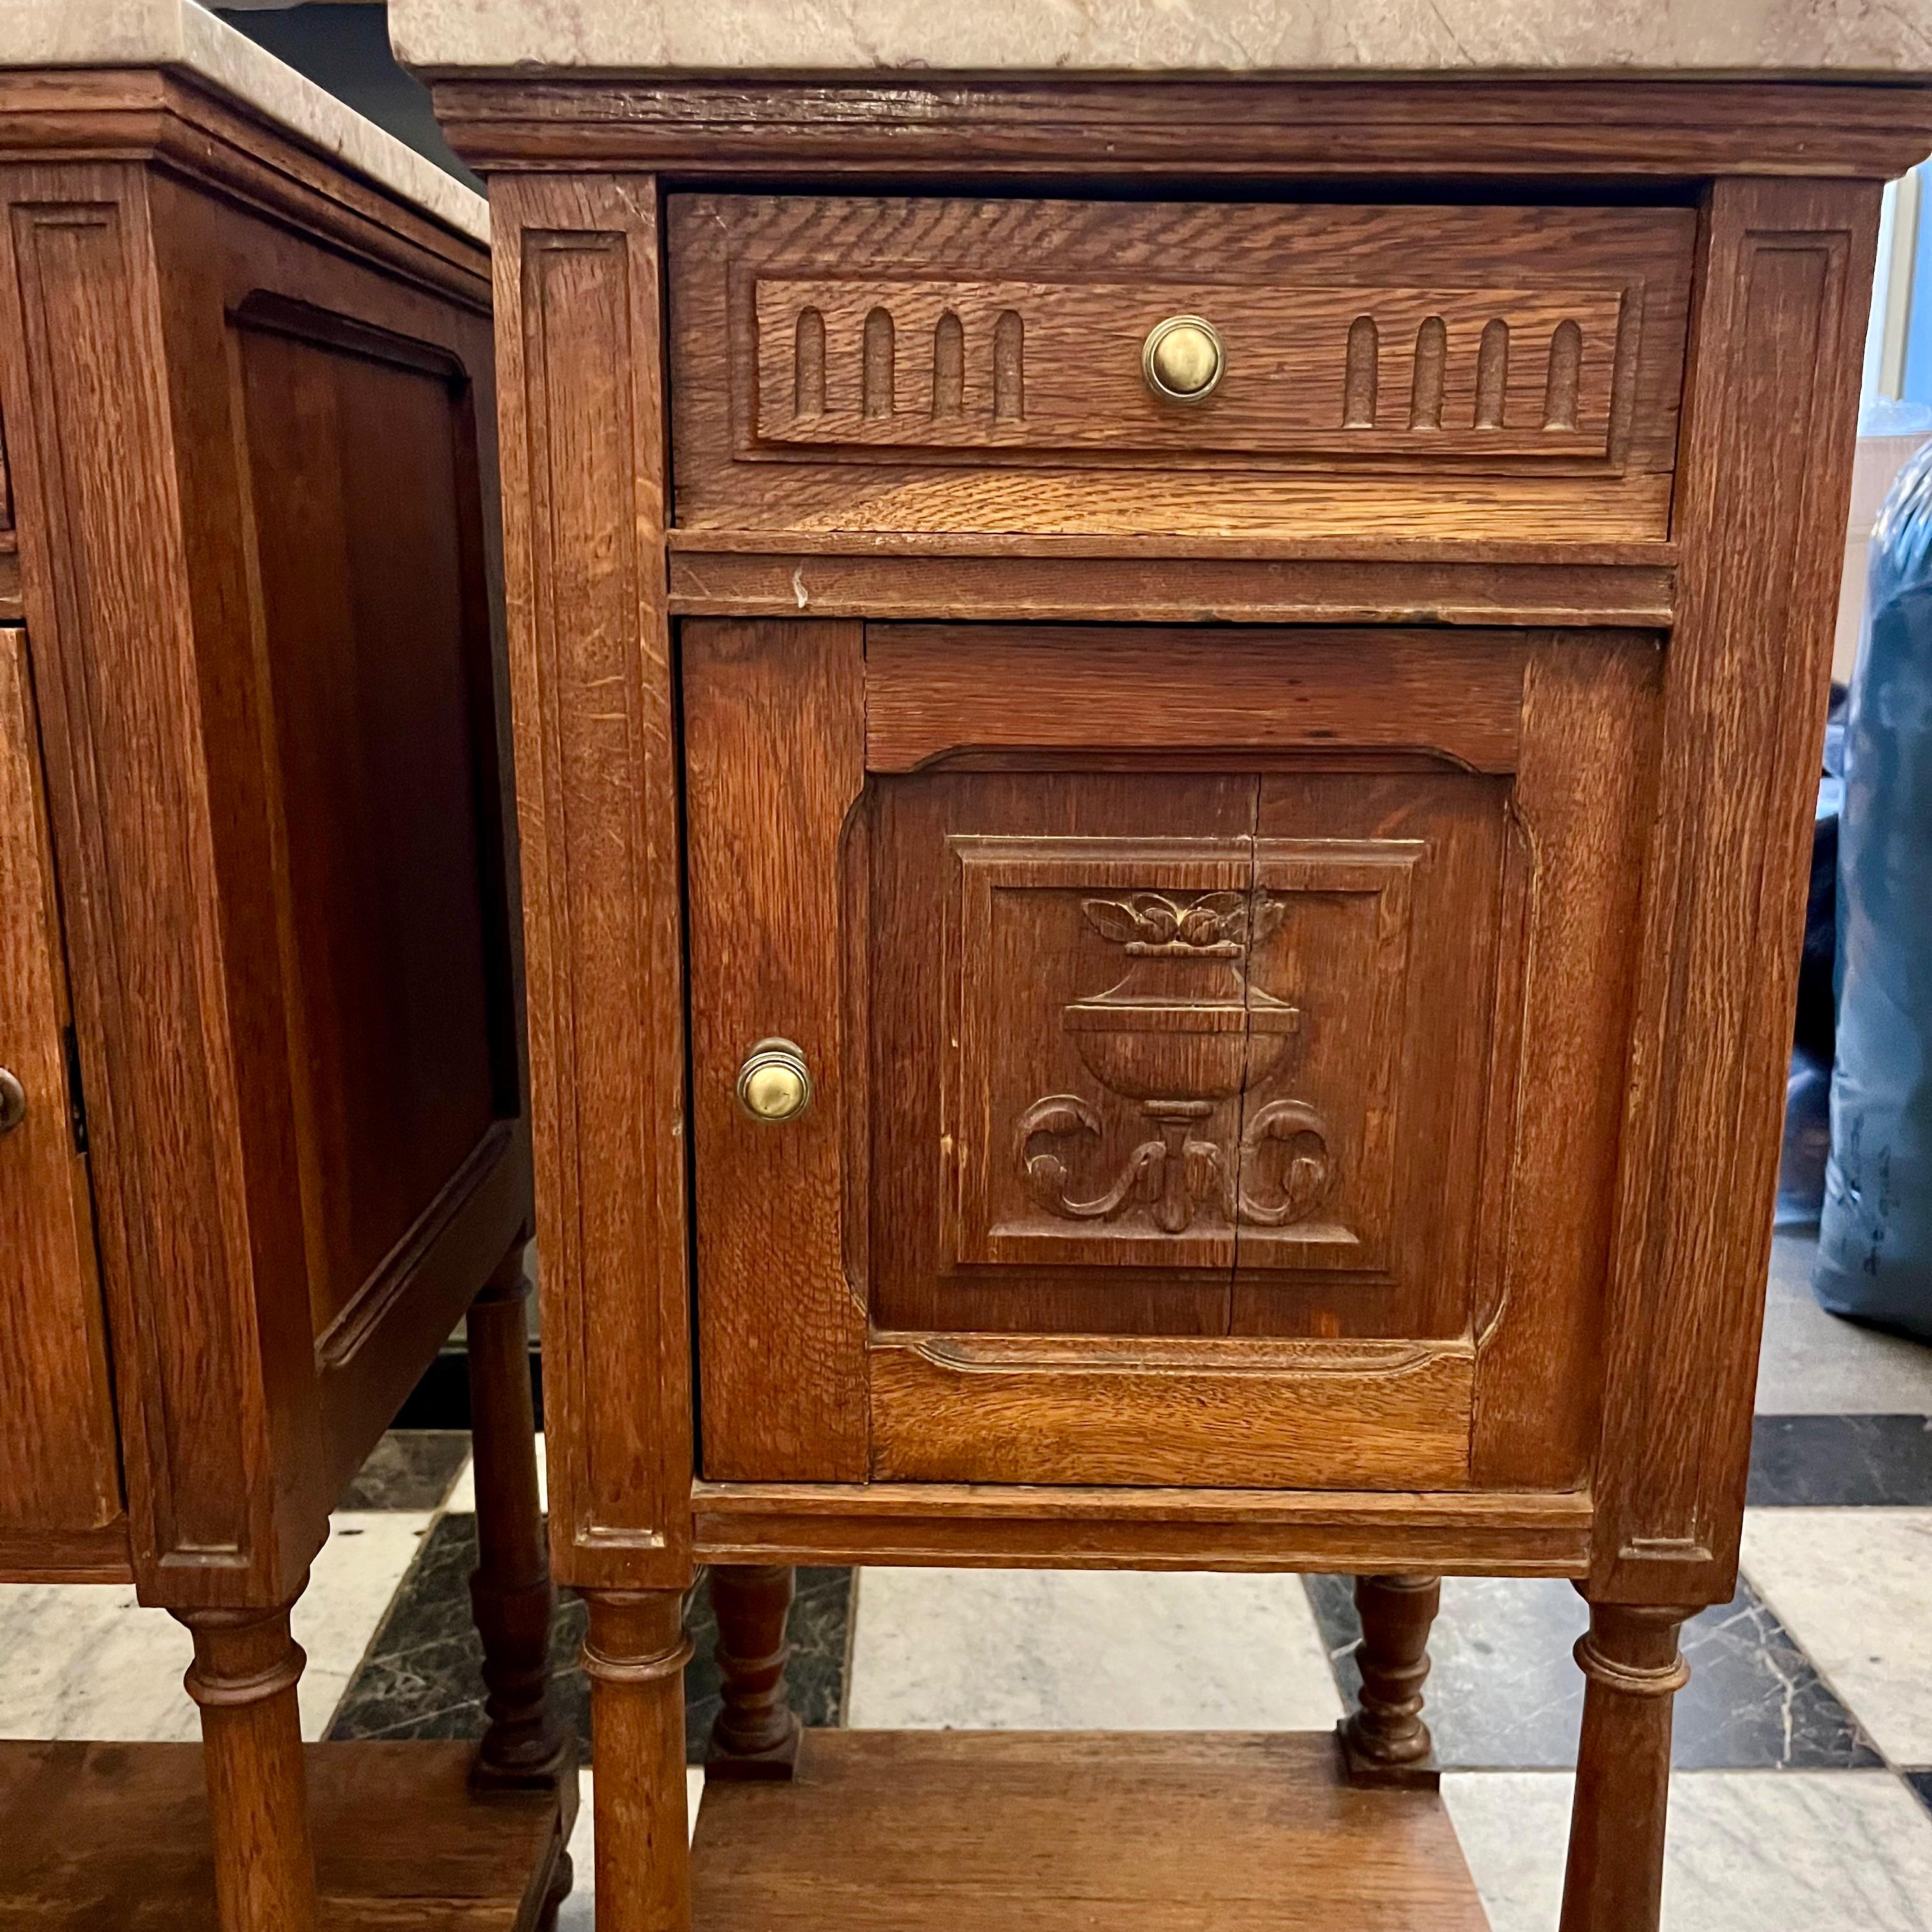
(579, 1911)
(409, 1468)
(1855, 1588)
(85, 1661)
(1021, 1649)
(1844, 1462)
(1813, 1363)
(422, 1675)
(1747, 1851)
(462, 1498)
(1504, 1692)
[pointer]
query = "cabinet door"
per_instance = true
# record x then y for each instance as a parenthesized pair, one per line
(1217, 1040)
(60, 1481)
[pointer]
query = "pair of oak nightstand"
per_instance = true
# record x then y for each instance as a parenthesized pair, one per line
(1166, 727)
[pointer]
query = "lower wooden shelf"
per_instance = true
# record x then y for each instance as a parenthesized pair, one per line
(996, 1832)
(113, 1837)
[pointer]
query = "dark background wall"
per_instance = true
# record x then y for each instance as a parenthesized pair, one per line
(345, 48)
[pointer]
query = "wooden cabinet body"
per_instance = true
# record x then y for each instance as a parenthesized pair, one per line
(259, 990)
(258, 943)
(1287, 900)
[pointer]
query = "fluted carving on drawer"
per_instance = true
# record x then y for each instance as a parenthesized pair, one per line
(1519, 375)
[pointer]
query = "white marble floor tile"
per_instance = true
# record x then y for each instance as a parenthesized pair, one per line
(462, 1498)
(579, 1912)
(1854, 1586)
(1813, 1363)
(1081, 1649)
(85, 1661)
(1747, 1851)
(353, 1578)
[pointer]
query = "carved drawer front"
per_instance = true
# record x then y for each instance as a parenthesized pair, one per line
(937, 364)
(1175, 1034)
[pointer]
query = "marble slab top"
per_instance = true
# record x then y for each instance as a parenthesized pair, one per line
(1888, 37)
(179, 34)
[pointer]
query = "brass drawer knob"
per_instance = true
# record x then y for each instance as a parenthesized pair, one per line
(13, 1101)
(774, 1084)
(1182, 359)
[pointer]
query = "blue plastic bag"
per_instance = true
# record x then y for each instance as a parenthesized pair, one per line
(1875, 1234)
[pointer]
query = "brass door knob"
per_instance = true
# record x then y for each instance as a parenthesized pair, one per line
(774, 1084)
(13, 1101)
(1182, 359)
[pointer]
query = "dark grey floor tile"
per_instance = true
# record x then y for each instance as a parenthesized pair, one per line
(1921, 1781)
(420, 1679)
(1505, 1693)
(1825, 1462)
(409, 1468)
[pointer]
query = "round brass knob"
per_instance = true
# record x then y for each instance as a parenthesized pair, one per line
(13, 1101)
(1182, 359)
(774, 1084)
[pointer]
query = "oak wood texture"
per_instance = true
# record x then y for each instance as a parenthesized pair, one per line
(60, 1473)
(246, 457)
(1633, 1670)
(579, 343)
(775, 724)
(634, 1655)
(1537, 1534)
(244, 1676)
(725, 574)
(512, 1602)
(927, 935)
(1384, 1739)
(933, 689)
(994, 1831)
(1009, 134)
(910, 460)
(807, 338)
(114, 1837)
(756, 1734)
(1783, 276)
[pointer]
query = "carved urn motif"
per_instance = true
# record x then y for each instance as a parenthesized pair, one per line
(1182, 1029)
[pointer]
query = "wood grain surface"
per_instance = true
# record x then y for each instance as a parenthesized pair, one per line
(1085, 447)
(1062, 1832)
(60, 1475)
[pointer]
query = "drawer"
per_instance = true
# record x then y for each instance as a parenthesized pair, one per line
(952, 365)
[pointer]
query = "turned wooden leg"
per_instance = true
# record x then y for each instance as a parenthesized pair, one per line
(634, 1657)
(510, 1593)
(1385, 1741)
(244, 1677)
(1614, 1882)
(756, 1733)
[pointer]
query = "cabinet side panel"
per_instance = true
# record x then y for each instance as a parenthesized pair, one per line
(59, 1461)
(1770, 410)
(580, 374)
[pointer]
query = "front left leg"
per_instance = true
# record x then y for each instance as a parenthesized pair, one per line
(244, 1677)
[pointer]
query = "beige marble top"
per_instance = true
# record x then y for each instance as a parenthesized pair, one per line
(179, 33)
(1887, 37)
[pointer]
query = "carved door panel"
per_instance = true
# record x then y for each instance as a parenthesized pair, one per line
(1169, 994)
